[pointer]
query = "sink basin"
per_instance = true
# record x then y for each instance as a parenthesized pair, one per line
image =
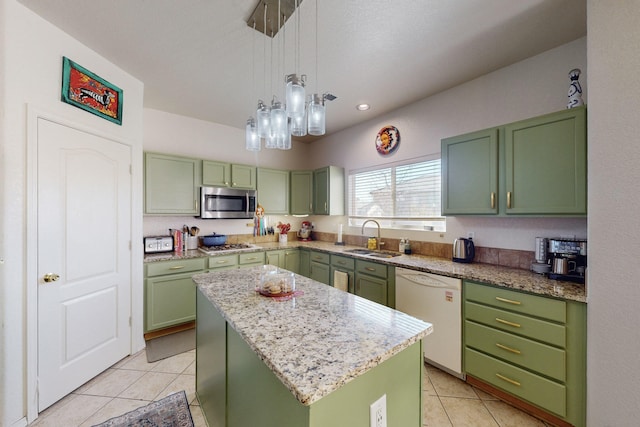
(374, 254)
(359, 251)
(383, 254)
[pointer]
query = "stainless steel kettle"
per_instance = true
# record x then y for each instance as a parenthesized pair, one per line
(463, 250)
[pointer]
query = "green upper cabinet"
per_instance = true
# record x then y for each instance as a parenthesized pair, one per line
(216, 174)
(546, 164)
(243, 176)
(273, 191)
(301, 192)
(470, 173)
(328, 191)
(171, 184)
(534, 167)
(220, 174)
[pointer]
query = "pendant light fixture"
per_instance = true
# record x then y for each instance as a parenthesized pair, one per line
(301, 114)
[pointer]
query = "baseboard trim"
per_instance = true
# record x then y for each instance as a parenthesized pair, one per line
(168, 331)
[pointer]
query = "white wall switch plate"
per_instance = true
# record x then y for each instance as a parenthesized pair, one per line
(378, 412)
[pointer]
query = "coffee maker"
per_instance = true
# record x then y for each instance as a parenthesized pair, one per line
(567, 259)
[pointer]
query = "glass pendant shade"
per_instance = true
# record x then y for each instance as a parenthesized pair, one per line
(263, 120)
(287, 139)
(316, 116)
(295, 95)
(279, 125)
(299, 125)
(252, 141)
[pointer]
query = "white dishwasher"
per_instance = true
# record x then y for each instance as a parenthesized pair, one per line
(434, 299)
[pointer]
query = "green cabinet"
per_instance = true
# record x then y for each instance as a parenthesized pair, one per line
(319, 269)
(220, 174)
(530, 346)
(171, 185)
(328, 191)
(345, 265)
(273, 190)
(292, 260)
(301, 200)
(470, 173)
(251, 259)
(223, 262)
(376, 282)
(169, 292)
(305, 263)
(546, 164)
(534, 167)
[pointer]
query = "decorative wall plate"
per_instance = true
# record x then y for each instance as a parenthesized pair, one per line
(388, 140)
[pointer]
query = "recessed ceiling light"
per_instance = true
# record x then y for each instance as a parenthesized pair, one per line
(362, 107)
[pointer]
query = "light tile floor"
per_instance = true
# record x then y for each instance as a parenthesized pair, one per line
(133, 382)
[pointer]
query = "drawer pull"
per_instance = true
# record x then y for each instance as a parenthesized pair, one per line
(509, 380)
(250, 258)
(508, 301)
(317, 258)
(222, 262)
(506, 322)
(504, 347)
(340, 262)
(370, 269)
(176, 267)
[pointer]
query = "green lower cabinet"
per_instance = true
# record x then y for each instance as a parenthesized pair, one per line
(170, 293)
(305, 263)
(237, 389)
(251, 259)
(376, 282)
(530, 346)
(292, 260)
(319, 269)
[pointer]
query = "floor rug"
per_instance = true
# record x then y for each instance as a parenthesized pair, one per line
(171, 411)
(170, 345)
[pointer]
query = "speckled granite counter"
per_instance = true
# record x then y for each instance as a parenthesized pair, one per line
(512, 278)
(314, 343)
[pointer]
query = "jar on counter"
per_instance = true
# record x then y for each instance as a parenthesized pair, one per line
(372, 244)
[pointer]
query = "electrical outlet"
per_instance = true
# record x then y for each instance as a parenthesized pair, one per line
(378, 412)
(471, 234)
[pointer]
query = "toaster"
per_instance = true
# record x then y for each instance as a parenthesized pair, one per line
(158, 244)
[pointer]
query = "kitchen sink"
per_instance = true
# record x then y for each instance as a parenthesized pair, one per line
(373, 254)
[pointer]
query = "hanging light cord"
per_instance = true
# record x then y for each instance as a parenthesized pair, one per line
(317, 75)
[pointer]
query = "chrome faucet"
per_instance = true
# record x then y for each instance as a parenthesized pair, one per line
(378, 243)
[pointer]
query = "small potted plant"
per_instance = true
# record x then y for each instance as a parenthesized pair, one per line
(284, 229)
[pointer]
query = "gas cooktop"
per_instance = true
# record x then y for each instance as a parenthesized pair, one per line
(225, 247)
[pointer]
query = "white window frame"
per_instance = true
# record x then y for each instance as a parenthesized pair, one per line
(426, 223)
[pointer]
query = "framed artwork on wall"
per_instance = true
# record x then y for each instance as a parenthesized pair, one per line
(86, 90)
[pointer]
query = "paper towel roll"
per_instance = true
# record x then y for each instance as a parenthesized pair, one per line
(341, 280)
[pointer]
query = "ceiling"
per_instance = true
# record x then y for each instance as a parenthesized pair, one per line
(199, 58)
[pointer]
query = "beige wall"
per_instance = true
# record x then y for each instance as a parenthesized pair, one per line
(614, 222)
(31, 52)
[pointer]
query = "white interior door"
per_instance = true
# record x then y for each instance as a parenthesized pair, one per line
(84, 279)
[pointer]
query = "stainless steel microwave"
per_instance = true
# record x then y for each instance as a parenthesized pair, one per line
(220, 202)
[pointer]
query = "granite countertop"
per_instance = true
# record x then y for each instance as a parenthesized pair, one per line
(513, 278)
(317, 341)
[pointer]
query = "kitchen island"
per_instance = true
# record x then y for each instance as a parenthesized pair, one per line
(320, 358)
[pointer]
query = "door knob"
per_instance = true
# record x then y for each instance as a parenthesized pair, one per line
(50, 277)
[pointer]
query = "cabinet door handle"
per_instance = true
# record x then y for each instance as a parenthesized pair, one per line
(325, 206)
(504, 347)
(508, 301)
(509, 380)
(506, 322)
(493, 200)
(509, 199)
(177, 267)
